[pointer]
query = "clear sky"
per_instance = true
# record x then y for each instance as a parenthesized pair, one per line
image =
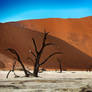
(14, 10)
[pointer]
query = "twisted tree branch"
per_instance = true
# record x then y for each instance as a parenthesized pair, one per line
(35, 45)
(50, 57)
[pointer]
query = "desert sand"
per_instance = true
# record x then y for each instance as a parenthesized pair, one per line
(73, 37)
(48, 81)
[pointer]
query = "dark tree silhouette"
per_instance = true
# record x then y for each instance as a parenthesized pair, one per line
(13, 68)
(13, 51)
(60, 64)
(38, 54)
(89, 68)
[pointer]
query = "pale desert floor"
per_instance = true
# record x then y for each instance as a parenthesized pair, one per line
(51, 81)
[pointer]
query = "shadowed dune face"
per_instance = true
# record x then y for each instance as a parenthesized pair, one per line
(77, 32)
(72, 37)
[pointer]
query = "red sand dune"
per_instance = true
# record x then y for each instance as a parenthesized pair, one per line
(72, 36)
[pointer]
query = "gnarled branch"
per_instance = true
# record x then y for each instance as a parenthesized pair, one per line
(50, 57)
(13, 51)
(44, 42)
(35, 45)
(45, 37)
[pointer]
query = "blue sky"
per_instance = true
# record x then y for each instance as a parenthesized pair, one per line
(15, 10)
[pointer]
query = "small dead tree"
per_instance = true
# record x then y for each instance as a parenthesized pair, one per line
(89, 68)
(13, 68)
(60, 64)
(13, 51)
(38, 54)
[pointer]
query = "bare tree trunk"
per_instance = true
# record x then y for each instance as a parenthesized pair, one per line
(36, 66)
(60, 67)
(36, 70)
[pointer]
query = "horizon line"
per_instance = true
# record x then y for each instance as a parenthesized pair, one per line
(44, 18)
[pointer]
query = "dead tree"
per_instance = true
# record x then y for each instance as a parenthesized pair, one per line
(89, 68)
(13, 68)
(13, 51)
(60, 64)
(38, 54)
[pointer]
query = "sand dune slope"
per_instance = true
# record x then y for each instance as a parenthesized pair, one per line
(71, 36)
